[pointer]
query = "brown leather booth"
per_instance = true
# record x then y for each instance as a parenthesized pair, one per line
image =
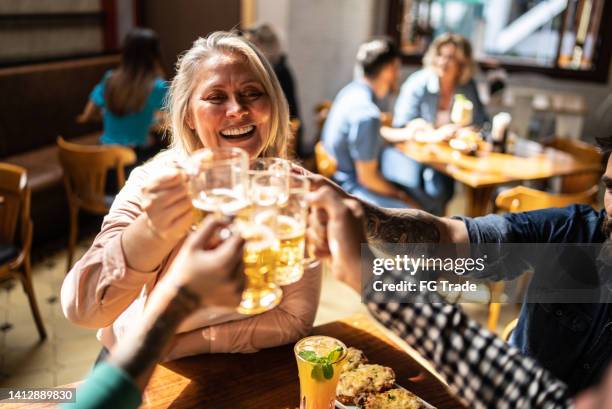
(40, 102)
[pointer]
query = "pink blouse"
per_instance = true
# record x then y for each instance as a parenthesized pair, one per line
(101, 291)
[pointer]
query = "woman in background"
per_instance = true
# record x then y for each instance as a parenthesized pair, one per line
(427, 95)
(422, 112)
(264, 38)
(131, 96)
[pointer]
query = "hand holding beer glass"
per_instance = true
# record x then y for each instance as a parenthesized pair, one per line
(268, 205)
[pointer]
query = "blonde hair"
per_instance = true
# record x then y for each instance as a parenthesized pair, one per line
(464, 54)
(184, 139)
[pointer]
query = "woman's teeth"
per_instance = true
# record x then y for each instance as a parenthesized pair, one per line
(237, 131)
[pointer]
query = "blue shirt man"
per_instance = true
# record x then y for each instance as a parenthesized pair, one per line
(352, 133)
(573, 341)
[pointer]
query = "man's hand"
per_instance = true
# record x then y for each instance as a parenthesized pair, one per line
(208, 269)
(336, 228)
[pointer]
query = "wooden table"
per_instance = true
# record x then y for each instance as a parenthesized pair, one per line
(482, 173)
(268, 379)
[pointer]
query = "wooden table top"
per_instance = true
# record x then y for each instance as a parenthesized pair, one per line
(490, 168)
(269, 380)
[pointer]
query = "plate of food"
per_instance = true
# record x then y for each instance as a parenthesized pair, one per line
(365, 385)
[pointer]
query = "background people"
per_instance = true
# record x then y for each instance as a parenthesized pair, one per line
(351, 133)
(130, 98)
(266, 39)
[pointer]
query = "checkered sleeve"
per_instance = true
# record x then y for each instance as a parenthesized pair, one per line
(480, 369)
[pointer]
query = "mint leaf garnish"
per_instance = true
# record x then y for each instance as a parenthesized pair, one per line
(328, 371)
(317, 373)
(323, 365)
(334, 355)
(309, 356)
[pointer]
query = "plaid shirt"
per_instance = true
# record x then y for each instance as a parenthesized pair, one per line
(480, 369)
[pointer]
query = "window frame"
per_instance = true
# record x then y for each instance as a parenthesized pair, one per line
(599, 74)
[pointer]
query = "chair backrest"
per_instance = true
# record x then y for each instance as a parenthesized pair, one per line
(85, 168)
(326, 164)
(583, 152)
(321, 111)
(523, 199)
(14, 203)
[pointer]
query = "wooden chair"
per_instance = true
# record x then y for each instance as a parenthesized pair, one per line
(326, 164)
(508, 329)
(85, 168)
(524, 199)
(16, 234)
(321, 111)
(583, 152)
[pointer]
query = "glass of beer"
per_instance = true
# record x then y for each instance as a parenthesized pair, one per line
(291, 227)
(320, 360)
(218, 180)
(258, 225)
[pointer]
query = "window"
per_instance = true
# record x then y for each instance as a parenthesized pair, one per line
(563, 38)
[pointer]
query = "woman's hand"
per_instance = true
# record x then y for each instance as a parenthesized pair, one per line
(167, 205)
(336, 228)
(209, 268)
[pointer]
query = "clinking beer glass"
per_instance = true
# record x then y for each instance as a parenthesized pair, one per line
(291, 227)
(220, 183)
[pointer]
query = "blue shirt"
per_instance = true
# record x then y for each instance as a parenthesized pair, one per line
(419, 97)
(573, 341)
(131, 129)
(352, 131)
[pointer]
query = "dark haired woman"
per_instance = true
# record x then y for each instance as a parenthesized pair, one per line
(131, 96)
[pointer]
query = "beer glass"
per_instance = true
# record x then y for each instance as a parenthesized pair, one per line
(218, 180)
(291, 227)
(258, 225)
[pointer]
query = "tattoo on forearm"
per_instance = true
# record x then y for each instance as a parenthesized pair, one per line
(401, 226)
(147, 346)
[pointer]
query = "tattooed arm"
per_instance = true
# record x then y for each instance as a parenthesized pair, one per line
(411, 226)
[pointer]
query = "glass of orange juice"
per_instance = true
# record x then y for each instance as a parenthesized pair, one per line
(320, 360)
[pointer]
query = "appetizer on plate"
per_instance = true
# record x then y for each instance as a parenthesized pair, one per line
(364, 379)
(354, 358)
(397, 398)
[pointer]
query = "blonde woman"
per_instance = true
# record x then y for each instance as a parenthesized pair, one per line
(428, 93)
(224, 94)
(422, 111)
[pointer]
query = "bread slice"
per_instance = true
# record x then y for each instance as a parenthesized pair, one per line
(364, 379)
(397, 398)
(354, 358)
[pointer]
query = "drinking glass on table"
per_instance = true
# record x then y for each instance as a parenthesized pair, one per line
(320, 360)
